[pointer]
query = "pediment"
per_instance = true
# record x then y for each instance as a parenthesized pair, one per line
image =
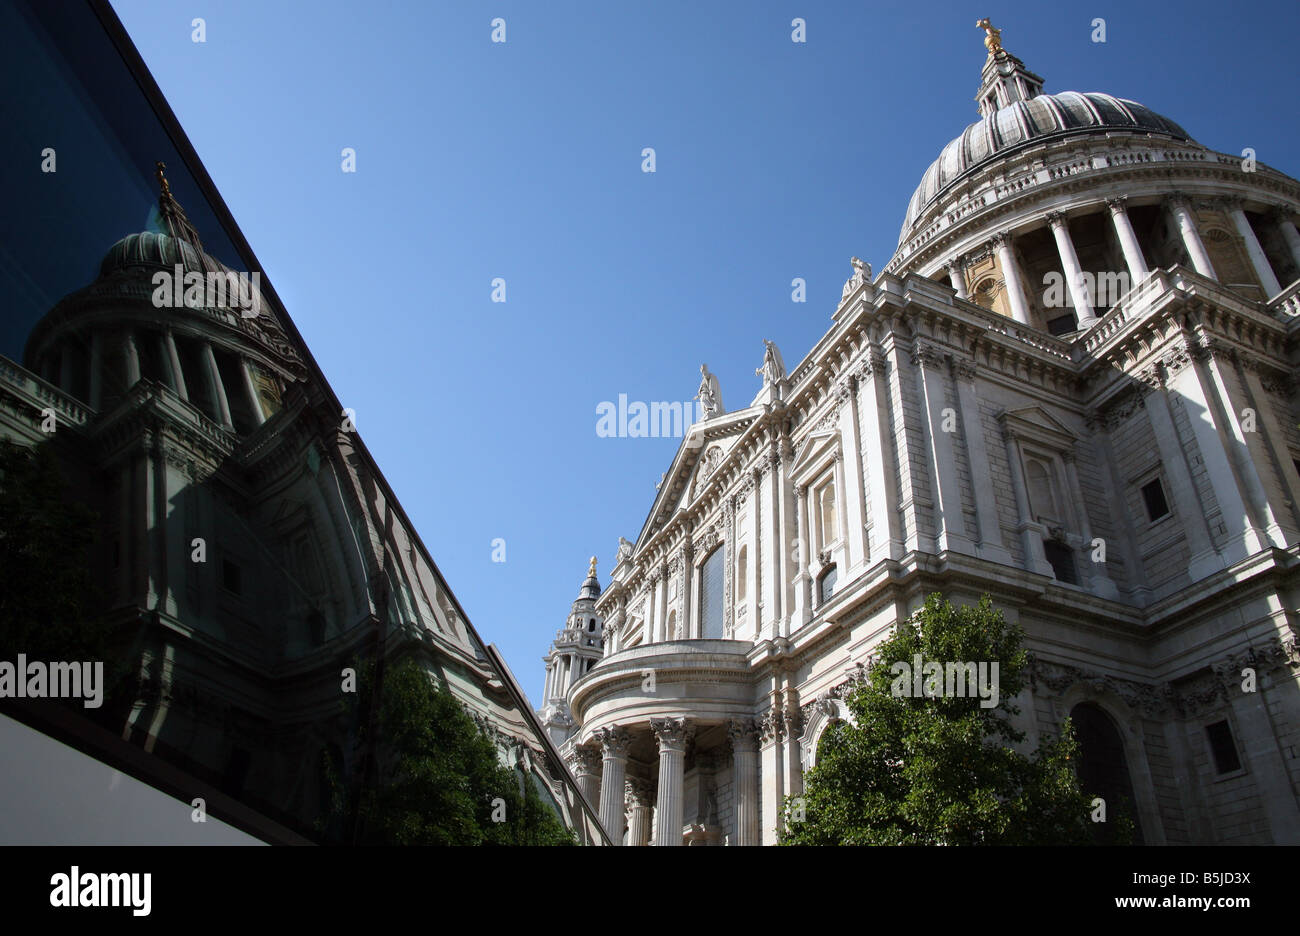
(1034, 422)
(702, 452)
(811, 456)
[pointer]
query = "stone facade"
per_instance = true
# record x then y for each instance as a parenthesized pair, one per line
(1071, 389)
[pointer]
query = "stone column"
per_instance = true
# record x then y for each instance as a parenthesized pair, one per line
(1182, 210)
(949, 522)
(986, 508)
(1128, 242)
(673, 735)
(1074, 278)
(956, 277)
(640, 798)
(584, 763)
(96, 370)
(878, 446)
(250, 388)
(744, 748)
(1011, 276)
(1097, 577)
(132, 357)
(216, 387)
(177, 371)
(1258, 260)
(613, 745)
(1289, 234)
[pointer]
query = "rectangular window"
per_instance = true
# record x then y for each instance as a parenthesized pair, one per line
(1223, 747)
(230, 577)
(1153, 495)
(1061, 559)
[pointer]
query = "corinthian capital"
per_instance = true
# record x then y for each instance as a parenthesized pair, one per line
(613, 741)
(673, 734)
(639, 792)
(999, 240)
(744, 734)
(583, 761)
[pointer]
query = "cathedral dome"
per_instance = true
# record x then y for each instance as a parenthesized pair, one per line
(1022, 123)
(150, 249)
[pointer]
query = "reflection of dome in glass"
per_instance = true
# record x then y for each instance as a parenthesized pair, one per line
(1043, 118)
(149, 249)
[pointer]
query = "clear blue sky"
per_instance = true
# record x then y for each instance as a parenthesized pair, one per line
(523, 160)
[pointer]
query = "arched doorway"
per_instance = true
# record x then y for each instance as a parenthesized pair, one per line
(1103, 770)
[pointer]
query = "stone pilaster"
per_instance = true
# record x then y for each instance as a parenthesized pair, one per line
(949, 522)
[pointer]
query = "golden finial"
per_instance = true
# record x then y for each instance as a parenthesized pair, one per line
(162, 179)
(591, 573)
(992, 36)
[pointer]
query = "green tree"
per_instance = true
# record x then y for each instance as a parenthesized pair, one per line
(941, 770)
(437, 779)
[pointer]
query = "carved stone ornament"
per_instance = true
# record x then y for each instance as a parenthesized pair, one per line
(673, 734)
(583, 760)
(743, 733)
(613, 742)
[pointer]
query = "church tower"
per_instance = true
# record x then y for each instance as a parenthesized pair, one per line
(574, 652)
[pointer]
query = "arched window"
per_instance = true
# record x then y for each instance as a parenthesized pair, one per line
(591, 625)
(826, 515)
(672, 626)
(1103, 769)
(711, 583)
(983, 295)
(826, 585)
(742, 574)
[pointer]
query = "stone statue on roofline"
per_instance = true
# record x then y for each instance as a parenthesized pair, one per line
(861, 274)
(710, 394)
(773, 369)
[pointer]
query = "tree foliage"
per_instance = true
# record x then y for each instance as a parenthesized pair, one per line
(437, 778)
(941, 770)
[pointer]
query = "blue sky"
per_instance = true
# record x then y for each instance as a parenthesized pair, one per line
(523, 161)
